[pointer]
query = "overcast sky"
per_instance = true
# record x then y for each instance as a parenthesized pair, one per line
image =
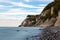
(13, 12)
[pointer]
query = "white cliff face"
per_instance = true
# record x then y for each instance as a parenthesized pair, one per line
(49, 22)
(27, 22)
(52, 8)
(48, 17)
(58, 19)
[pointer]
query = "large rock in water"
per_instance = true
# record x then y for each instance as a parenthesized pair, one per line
(50, 16)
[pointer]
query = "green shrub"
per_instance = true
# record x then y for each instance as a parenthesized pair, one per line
(56, 8)
(48, 6)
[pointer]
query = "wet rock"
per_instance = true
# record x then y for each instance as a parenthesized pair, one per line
(18, 30)
(50, 33)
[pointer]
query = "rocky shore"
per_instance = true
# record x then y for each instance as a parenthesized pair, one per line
(48, 33)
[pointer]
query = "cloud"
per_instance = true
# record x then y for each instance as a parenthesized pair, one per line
(42, 5)
(21, 4)
(39, 0)
(2, 6)
(27, 0)
(43, 0)
(3, 0)
(10, 21)
(14, 16)
(23, 11)
(20, 11)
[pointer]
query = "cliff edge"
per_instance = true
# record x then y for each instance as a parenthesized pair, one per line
(50, 16)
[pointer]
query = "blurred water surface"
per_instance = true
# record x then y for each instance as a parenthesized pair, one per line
(18, 33)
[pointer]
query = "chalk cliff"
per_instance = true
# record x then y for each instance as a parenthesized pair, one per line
(50, 16)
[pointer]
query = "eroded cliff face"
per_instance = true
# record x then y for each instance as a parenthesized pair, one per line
(50, 16)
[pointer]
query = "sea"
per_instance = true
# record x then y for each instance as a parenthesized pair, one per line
(19, 33)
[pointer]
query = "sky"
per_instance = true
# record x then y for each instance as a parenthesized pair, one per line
(13, 12)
